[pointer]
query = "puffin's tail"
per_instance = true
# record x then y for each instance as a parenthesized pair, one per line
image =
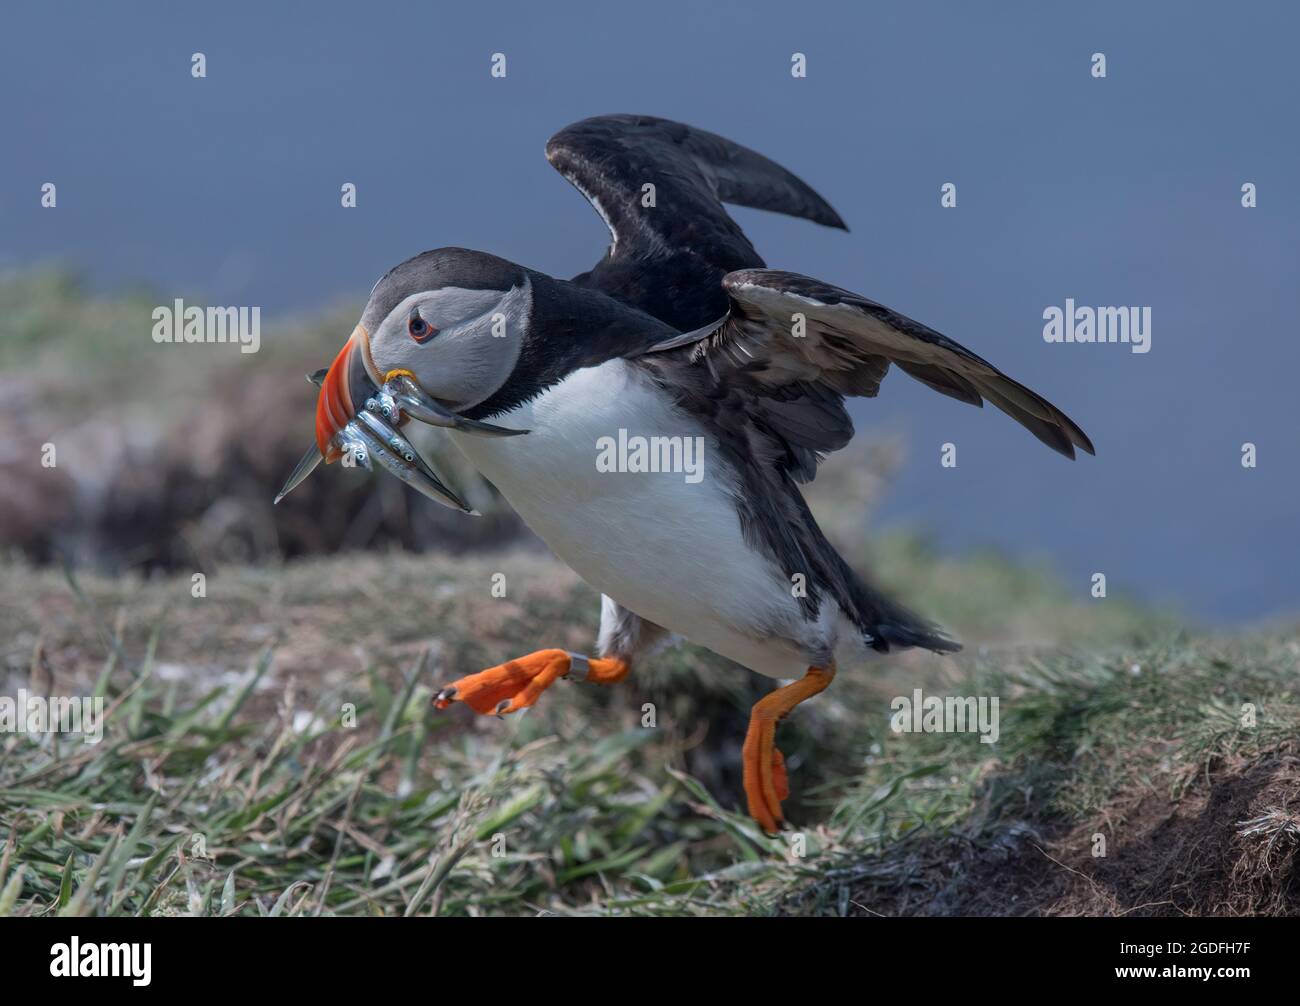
(896, 627)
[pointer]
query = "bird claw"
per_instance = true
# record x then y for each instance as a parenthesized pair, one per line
(509, 687)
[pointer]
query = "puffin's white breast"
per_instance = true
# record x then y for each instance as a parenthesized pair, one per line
(663, 546)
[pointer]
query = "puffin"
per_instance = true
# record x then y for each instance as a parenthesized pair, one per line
(679, 345)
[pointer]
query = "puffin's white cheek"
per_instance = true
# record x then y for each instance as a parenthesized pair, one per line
(463, 371)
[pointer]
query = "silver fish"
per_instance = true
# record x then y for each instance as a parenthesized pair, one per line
(372, 436)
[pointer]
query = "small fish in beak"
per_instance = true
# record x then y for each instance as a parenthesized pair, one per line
(357, 419)
(418, 405)
(300, 472)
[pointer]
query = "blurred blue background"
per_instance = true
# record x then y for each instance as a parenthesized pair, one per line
(1122, 191)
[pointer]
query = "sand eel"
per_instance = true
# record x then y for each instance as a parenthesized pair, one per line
(682, 340)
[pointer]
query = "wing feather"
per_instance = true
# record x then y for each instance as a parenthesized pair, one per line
(794, 345)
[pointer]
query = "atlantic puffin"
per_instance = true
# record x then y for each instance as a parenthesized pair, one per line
(679, 331)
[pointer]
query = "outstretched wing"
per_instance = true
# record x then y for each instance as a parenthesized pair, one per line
(667, 258)
(791, 347)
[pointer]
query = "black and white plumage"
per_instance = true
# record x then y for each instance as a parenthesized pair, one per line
(678, 331)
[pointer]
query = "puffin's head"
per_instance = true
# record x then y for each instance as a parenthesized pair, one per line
(451, 320)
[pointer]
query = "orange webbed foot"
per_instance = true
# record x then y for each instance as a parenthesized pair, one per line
(766, 781)
(780, 781)
(508, 687)
(517, 684)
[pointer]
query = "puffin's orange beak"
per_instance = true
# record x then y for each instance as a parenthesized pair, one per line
(344, 389)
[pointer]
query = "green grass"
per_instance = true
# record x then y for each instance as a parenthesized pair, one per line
(207, 806)
(224, 788)
(1085, 739)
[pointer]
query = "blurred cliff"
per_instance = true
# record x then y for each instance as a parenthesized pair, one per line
(169, 456)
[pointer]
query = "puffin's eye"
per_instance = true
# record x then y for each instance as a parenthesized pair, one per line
(419, 329)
